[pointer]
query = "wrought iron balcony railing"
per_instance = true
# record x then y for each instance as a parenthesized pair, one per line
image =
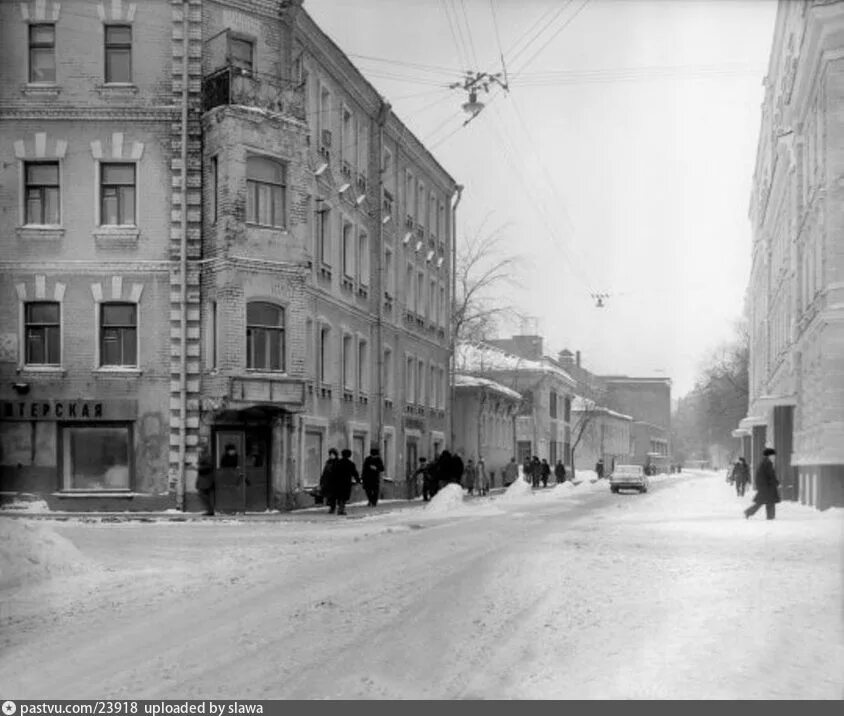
(234, 86)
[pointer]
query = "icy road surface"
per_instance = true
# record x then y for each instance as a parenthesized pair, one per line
(566, 593)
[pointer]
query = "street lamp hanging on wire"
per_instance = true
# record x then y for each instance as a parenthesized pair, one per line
(473, 84)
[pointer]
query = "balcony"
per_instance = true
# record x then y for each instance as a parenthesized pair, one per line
(234, 86)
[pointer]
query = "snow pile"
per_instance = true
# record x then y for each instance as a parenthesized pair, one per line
(448, 499)
(36, 506)
(30, 551)
(518, 490)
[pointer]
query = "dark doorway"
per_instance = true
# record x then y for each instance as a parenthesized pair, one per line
(242, 473)
(411, 451)
(783, 444)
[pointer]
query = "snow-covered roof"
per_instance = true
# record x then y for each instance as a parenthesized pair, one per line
(471, 381)
(582, 404)
(477, 357)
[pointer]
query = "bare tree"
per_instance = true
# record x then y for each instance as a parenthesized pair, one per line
(485, 268)
(586, 418)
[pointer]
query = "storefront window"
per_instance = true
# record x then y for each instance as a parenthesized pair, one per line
(97, 458)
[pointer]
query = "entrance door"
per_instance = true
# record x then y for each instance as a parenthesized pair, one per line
(411, 452)
(242, 474)
(784, 444)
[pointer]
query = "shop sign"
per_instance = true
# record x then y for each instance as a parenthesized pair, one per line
(68, 410)
(414, 423)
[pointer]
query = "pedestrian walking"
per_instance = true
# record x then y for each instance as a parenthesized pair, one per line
(741, 476)
(469, 476)
(325, 482)
(535, 471)
(511, 472)
(545, 472)
(373, 467)
(205, 481)
(343, 474)
(599, 468)
(560, 472)
(423, 474)
(767, 487)
(481, 478)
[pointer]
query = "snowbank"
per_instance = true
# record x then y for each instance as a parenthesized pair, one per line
(30, 551)
(448, 499)
(37, 506)
(518, 490)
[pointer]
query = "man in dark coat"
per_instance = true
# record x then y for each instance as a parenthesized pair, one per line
(535, 471)
(767, 487)
(599, 469)
(205, 481)
(560, 471)
(325, 481)
(545, 472)
(373, 466)
(425, 473)
(456, 469)
(343, 474)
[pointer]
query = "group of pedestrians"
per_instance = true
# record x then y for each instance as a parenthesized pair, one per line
(446, 468)
(538, 472)
(340, 473)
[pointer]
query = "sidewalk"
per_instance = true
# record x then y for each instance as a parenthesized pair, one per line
(318, 513)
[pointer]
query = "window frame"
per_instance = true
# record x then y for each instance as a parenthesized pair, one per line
(40, 46)
(102, 165)
(116, 47)
(102, 306)
(27, 324)
(270, 331)
(233, 38)
(26, 165)
(63, 448)
(363, 365)
(256, 186)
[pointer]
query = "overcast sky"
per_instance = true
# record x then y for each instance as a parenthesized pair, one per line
(620, 161)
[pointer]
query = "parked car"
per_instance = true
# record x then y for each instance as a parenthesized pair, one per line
(629, 477)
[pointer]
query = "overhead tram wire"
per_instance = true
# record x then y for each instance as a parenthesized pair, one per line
(469, 32)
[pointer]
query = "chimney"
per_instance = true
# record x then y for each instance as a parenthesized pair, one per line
(577, 359)
(565, 358)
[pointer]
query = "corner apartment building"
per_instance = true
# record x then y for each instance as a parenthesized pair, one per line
(796, 290)
(213, 238)
(88, 106)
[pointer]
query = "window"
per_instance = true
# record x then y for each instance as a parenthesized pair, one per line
(363, 366)
(96, 458)
(363, 259)
(117, 197)
(409, 286)
(214, 188)
(410, 196)
(348, 364)
(432, 301)
(420, 383)
(442, 306)
(346, 136)
(322, 235)
(42, 333)
(432, 387)
(420, 293)
(388, 271)
(118, 334)
(388, 373)
(553, 404)
(42, 193)
(264, 336)
(42, 53)
(348, 251)
(240, 54)
(118, 53)
(420, 216)
(388, 453)
(265, 192)
(409, 375)
(323, 353)
(567, 409)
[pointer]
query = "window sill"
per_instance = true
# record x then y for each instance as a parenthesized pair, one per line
(34, 232)
(267, 227)
(73, 494)
(117, 235)
(117, 371)
(266, 374)
(117, 89)
(41, 370)
(36, 89)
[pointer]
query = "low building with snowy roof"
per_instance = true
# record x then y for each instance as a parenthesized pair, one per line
(599, 433)
(543, 424)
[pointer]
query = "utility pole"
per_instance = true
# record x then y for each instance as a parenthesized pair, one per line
(451, 335)
(383, 112)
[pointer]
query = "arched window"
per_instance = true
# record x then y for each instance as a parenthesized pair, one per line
(265, 191)
(264, 336)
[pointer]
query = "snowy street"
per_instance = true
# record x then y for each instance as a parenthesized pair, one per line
(569, 592)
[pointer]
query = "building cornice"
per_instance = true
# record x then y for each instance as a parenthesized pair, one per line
(93, 266)
(90, 114)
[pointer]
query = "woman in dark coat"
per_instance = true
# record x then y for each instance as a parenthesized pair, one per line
(342, 476)
(325, 480)
(767, 487)
(373, 466)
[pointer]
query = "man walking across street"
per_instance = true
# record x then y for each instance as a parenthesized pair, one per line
(767, 487)
(741, 475)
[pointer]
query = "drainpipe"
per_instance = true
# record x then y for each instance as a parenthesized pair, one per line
(183, 267)
(452, 338)
(383, 112)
